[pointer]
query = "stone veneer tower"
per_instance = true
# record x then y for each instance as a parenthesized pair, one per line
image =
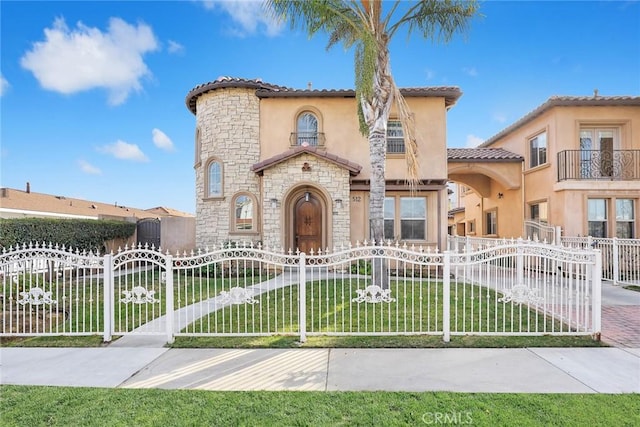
(227, 131)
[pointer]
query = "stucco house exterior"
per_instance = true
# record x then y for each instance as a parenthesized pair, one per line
(289, 168)
(580, 170)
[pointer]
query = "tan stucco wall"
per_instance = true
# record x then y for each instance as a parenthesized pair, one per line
(178, 234)
(567, 200)
(338, 121)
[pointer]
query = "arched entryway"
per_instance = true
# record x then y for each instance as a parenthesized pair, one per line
(306, 220)
(308, 223)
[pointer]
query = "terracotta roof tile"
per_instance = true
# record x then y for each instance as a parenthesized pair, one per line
(353, 168)
(268, 90)
(483, 154)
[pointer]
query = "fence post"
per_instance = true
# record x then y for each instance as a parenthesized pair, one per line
(109, 306)
(558, 235)
(302, 297)
(446, 297)
(596, 308)
(616, 262)
(520, 263)
(169, 297)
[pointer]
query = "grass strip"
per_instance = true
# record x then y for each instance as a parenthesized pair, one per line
(65, 406)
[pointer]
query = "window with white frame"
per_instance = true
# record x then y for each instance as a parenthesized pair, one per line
(405, 218)
(538, 150)
(625, 218)
(395, 137)
(597, 217)
(491, 222)
(214, 179)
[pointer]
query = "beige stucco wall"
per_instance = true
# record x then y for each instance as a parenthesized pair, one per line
(338, 120)
(567, 200)
(178, 234)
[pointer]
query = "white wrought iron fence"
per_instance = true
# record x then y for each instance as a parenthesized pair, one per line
(542, 232)
(514, 288)
(620, 257)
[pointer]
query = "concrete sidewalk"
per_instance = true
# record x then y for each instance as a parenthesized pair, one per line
(526, 370)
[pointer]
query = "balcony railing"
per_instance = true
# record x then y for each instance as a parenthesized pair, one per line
(606, 165)
(312, 139)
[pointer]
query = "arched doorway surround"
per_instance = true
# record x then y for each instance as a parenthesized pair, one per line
(308, 218)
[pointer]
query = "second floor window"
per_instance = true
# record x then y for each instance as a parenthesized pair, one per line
(395, 137)
(538, 150)
(307, 129)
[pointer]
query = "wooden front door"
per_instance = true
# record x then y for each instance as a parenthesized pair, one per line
(308, 224)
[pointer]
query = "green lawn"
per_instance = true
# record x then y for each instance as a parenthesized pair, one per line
(416, 306)
(63, 406)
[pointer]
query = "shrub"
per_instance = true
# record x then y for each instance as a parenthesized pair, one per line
(82, 234)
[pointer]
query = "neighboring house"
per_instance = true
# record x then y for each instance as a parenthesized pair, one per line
(165, 227)
(290, 168)
(580, 171)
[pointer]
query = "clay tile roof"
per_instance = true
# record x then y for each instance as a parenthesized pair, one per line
(268, 90)
(482, 154)
(226, 81)
(353, 168)
(566, 101)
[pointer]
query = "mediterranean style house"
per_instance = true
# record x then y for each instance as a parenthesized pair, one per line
(579, 170)
(289, 168)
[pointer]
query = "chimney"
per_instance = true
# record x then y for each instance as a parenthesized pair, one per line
(28, 187)
(3, 192)
(595, 93)
(309, 85)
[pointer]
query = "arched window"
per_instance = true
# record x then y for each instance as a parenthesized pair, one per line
(243, 213)
(307, 129)
(198, 147)
(214, 178)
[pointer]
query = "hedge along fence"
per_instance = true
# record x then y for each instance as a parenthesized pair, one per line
(82, 234)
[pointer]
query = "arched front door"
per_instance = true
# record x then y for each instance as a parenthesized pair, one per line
(308, 223)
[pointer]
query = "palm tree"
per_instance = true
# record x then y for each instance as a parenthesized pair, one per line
(369, 25)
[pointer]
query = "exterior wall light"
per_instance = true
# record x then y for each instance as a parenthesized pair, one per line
(338, 203)
(274, 203)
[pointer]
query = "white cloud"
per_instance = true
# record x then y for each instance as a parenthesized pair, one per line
(175, 47)
(4, 85)
(473, 141)
(125, 151)
(429, 74)
(84, 58)
(499, 117)
(470, 71)
(87, 167)
(249, 15)
(161, 140)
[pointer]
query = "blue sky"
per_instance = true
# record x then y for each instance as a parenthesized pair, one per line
(92, 93)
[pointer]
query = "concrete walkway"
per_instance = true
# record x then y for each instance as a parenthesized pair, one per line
(526, 370)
